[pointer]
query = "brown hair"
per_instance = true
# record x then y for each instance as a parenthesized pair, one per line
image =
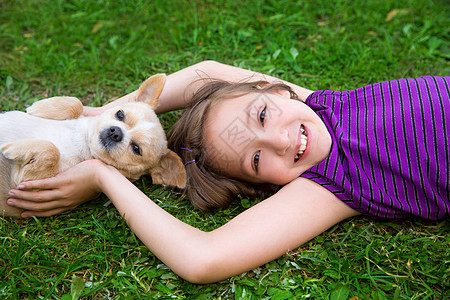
(207, 187)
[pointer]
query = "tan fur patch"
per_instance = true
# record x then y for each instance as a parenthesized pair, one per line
(132, 116)
(170, 171)
(33, 159)
(150, 90)
(57, 108)
(5, 179)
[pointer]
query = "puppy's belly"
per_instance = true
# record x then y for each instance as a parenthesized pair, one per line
(5, 186)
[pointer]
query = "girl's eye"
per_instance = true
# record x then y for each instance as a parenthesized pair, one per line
(256, 160)
(120, 115)
(136, 149)
(262, 116)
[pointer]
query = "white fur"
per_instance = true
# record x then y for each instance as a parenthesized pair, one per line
(69, 136)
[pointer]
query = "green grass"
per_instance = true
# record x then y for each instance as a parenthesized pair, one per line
(98, 50)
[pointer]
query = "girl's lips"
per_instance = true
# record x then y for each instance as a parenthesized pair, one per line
(301, 152)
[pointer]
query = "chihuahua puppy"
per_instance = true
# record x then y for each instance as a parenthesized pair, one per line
(53, 136)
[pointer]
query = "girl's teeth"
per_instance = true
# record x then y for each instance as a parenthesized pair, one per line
(303, 143)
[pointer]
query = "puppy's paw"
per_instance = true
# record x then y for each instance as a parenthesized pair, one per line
(57, 108)
(29, 150)
(34, 159)
(11, 151)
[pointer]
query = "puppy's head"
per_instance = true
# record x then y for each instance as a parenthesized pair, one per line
(131, 138)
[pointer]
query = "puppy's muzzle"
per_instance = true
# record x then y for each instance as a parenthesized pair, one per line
(111, 136)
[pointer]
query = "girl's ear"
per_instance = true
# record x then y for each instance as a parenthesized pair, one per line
(281, 92)
(150, 90)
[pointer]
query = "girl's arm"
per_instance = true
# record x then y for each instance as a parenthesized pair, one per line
(297, 213)
(182, 84)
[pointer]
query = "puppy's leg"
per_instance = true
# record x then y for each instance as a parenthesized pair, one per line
(57, 108)
(33, 159)
(5, 186)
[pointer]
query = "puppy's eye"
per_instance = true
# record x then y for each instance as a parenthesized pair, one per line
(136, 149)
(120, 115)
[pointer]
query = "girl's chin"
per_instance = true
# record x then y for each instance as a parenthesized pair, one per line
(288, 180)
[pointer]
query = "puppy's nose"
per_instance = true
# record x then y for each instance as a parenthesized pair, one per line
(115, 133)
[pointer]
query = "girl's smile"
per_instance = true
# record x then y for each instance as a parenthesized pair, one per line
(302, 143)
(265, 138)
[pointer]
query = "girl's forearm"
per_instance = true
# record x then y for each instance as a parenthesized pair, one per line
(195, 255)
(182, 84)
(177, 90)
(176, 243)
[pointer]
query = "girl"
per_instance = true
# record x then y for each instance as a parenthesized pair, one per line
(381, 150)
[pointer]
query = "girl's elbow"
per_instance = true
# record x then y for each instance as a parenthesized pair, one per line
(201, 278)
(208, 62)
(205, 270)
(207, 65)
(196, 277)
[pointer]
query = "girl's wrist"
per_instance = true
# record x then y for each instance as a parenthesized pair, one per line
(97, 173)
(103, 175)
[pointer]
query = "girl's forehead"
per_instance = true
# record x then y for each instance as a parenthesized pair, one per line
(226, 135)
(241, 103)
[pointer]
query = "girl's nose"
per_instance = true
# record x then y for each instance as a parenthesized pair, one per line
(278, 140)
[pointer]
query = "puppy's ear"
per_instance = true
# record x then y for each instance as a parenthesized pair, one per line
(150, 90)
(169, 171)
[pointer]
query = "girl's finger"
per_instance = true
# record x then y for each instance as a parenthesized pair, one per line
(36, 196)
(41, 184)
(34, 206)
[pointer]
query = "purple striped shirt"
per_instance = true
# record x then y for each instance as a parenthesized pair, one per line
(390, 156)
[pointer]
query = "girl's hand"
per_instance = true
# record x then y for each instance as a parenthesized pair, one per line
(65, 191)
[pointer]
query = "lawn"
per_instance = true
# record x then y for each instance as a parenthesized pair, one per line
(99, 50)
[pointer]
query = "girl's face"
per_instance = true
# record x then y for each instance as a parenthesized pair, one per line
(265, 138)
